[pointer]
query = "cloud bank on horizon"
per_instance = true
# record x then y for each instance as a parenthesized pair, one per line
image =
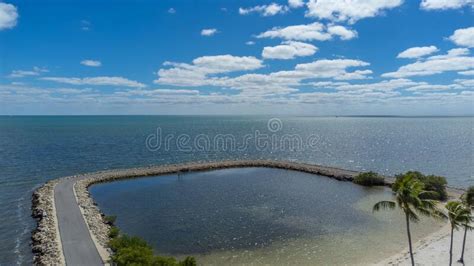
(319, 57)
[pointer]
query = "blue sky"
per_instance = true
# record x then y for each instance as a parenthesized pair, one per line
(311, 57)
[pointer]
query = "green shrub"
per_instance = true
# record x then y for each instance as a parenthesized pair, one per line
(110, 220)
(432, 183)
(114, 232)
(164, 261)
(468, 197)
(436, 184)
(133, 256)
(125, 241)
(369, 179)
(136, 251)
(188, 261)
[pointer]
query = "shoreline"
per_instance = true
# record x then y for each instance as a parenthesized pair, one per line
(434, 249)
(48, 252)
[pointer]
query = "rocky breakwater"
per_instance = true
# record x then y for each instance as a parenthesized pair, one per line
(46, 245)
(98, 225)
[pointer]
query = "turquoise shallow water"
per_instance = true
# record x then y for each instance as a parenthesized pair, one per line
(36, 149)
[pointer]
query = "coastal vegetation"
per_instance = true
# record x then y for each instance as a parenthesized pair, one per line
(412, 198)
(435, 184)
(459, 215)
(132, 250)
(468, 201)
(369, 179)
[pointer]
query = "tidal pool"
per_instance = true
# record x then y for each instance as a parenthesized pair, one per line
(258, 216)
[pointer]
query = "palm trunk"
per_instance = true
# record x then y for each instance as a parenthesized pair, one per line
(461, 260)
(409, 240)
(451, 247)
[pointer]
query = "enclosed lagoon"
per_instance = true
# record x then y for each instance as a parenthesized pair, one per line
(257, 215)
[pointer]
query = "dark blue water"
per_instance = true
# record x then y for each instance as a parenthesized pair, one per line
(202, 212)
(36, 149)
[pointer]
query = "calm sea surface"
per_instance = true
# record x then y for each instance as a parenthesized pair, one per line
(36, 149)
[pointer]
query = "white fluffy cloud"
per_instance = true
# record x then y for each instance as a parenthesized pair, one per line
(385, 85)
(454, 60)
(36, 71)
(336, 68)
(91, 63)
(134, 92)
(295, 3)
(466, 82)
(208, 32)
(416, 52)
(342, 32)
(265, 10)
(451, 53)
(226, 63)
(309, 32)
(288, 50)
(350, 11)
(182, 74)
(270, 89)
(8, 16)
(467, 73)
(99, 81)
(445, 4)
(433, 87)
(275, 83)
(463, 37)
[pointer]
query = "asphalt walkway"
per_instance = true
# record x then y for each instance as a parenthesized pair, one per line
(77, 244)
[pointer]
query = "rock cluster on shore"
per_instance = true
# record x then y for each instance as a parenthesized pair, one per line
(45, 240)
(95, 220)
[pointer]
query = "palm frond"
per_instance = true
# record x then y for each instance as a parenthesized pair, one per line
(429, 194)
(425, 211)
(469, 227)
(439, 214)
(458, 214)
(411, 214)
(385, 204)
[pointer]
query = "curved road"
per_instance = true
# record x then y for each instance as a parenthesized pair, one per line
(77, 244)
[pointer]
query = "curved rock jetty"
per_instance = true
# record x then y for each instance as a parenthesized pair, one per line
(46, 240)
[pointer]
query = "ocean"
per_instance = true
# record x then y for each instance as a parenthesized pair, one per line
(34, 149)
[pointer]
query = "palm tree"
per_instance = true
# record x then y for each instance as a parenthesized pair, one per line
(409, 197)
(458, 215)
(468, 201)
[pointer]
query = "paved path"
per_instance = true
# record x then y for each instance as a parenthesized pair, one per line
(77, 244)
